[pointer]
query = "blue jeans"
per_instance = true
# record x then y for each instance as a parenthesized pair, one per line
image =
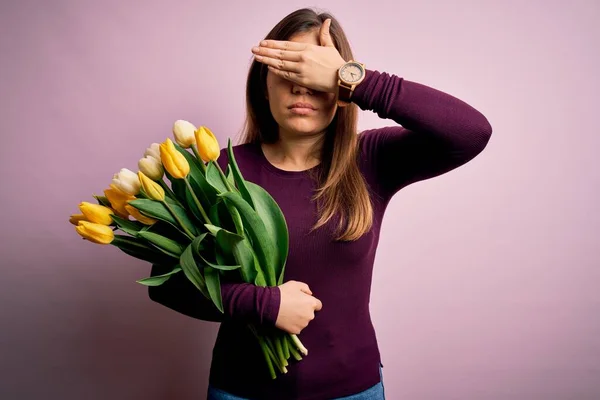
(375, 392)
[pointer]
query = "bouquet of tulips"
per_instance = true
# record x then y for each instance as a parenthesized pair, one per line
(207, 224)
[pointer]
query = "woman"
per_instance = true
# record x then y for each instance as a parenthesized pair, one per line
(333, 186)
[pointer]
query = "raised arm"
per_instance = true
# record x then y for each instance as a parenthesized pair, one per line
(438, 132)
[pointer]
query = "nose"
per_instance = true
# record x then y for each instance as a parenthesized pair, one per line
(298, 89)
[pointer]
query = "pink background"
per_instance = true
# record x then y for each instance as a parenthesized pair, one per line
(486, 279)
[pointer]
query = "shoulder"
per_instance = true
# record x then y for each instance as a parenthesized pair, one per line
(244, 153)
(371, 141)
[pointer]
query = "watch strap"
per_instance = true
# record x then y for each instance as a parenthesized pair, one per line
(344, 93)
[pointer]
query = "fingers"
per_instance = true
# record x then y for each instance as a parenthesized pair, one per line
(304, 288)
(318, 305)
(324, 35)
(284, 45)
(278, 54)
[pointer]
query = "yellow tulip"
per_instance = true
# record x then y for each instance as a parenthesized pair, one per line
(96, 213)
(208, 145)
(151, 167)
(118, 199)
(135, 213)
(96, 233)
(75, 218)
(173, 161)
(152, 189)
(183, 131)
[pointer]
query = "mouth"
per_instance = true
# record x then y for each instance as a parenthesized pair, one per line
(302, 108)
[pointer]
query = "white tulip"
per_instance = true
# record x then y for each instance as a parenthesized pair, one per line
(127, 181)
(183, 131)
(153, 150)
(151, 167)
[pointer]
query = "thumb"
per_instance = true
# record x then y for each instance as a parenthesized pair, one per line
(324, 35)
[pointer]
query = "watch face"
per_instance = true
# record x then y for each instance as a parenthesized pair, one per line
(351, 72)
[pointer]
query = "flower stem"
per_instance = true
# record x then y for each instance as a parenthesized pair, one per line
(224, 178)
(277, 355)
(200, 161)
(286, 347)
(299, 344)
(295, 353)
(167, 189)
(279, 347)
(198, 204)
(186, 230)
(266, 351)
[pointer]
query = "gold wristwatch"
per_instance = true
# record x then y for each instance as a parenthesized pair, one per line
(349, 76)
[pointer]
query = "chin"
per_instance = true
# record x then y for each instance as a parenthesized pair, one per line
(304, 127)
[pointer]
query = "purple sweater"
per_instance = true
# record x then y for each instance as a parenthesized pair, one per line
(439, 133)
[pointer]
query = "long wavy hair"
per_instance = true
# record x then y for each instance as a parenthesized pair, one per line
(341, 193)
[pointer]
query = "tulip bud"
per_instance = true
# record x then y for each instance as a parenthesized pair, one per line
(127, 181)
(96, 233)
(135, 213)
(118, 199)
(151, 167)
(153, 150)
(96, 213)
(173, 161)
(183, 131)
(75, 218)
(152, 189)
(208, 145)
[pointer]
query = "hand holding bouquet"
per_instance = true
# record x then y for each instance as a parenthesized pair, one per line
(207, 224)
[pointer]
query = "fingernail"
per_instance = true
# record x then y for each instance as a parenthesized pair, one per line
(263, 43)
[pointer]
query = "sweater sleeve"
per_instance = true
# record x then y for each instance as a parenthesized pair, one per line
(241, 301)
(438, 132)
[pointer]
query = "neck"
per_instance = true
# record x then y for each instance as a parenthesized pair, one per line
(295, 153)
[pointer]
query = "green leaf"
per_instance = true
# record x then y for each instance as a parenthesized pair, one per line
(262, 243)
(154, 209)
(169, 231)
(158, 210)
(259, 279)
(238, 246)
(214, 178)
(212, 229)
(213, 283)
(221, 216)
(237, 175)
(230, 177)
(220, 267)
(178, 187)
(213, 213)
(190, 268)
(236, 219)
(158, 280)
(102, 200)
(275, 225)
(166, 245)
(189, 199)
(138, 248)
(128, 226)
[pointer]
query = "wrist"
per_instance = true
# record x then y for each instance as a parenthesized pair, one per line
(350, 75)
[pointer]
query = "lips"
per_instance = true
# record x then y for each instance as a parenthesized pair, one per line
(303, 105)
